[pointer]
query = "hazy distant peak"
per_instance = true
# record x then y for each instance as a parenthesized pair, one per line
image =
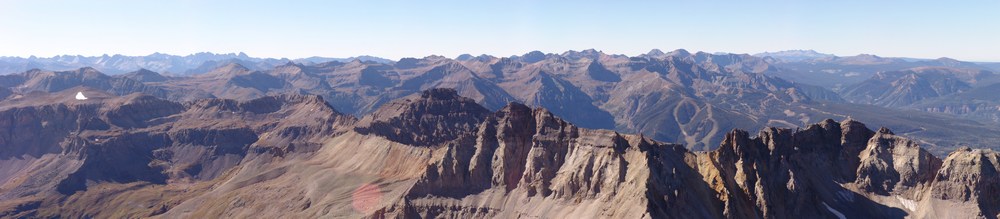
(591, 51)
(655, 52)
(534, 53)
(235, 66)
(434, 57)
(946, 59)
(88, 69)
(143, 71)
(230, 69)
(291, 63)
(480, 58)
(679, 53)
(144, 75)
(369, 58)
(588, 53)
(356, 62)
(795, 55)
(866, 59)
(532, 57)
(464, 57)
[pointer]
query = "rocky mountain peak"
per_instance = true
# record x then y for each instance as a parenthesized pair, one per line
(427, 118)
(895, 165)
(971, 175)
(855, 134)
(884, 131)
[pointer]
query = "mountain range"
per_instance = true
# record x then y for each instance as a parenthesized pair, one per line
(689, 98)
(438, 154)
(575, 134)
(164, 63)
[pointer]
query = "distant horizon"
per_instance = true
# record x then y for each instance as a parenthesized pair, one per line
(965, 30)
(456, 56)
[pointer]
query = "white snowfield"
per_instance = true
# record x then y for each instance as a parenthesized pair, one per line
(834, 211)
(80, 96)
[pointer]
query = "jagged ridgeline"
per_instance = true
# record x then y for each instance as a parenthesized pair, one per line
(691, 98)
(436, 153)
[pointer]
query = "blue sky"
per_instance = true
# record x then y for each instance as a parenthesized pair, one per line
(967, 30)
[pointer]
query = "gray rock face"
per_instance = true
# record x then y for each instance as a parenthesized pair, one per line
(970, 175)
(895, 165)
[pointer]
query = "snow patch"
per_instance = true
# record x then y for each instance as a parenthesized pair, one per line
(80, 96)
(834, 211)
(909, 204)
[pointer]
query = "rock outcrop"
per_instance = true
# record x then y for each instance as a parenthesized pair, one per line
(428, 118)
(969, 176)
